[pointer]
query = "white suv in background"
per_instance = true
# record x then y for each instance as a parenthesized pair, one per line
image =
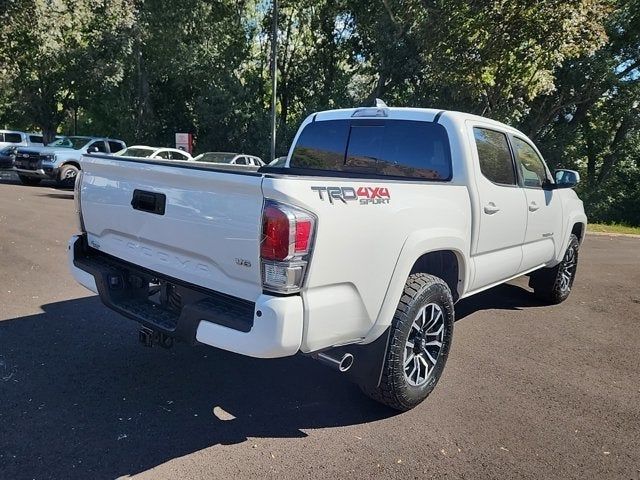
(12, 138)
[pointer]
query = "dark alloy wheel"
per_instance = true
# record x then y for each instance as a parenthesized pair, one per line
(424, 344)
(553, 285)
(419, 342)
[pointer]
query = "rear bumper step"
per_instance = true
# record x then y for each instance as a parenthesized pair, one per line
(177, 308)
(269, 328)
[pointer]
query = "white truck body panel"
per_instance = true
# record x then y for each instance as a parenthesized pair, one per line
(342, 304)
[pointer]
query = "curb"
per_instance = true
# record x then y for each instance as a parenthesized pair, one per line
(613, 234)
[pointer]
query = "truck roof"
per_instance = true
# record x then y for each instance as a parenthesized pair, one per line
(406, 113)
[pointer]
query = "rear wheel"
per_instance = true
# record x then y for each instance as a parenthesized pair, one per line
(419, 343)
(553, 285)
(67, 175)
(31, 181)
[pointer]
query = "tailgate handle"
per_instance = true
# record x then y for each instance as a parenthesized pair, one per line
(149, 202)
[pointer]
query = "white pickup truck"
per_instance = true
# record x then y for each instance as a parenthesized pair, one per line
(354, 252)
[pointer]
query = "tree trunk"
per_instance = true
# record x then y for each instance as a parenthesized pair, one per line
(378, 91)
(48, 133)
(283, 93)
(591, 165)
(611, 159)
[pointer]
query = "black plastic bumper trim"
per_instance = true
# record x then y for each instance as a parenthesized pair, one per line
(129, 296)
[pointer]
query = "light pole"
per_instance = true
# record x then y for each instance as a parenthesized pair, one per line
(274, 77)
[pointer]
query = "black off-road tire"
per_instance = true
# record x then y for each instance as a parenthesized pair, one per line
(548, 284)
(67, 176)
(395, 390)
(31, 181)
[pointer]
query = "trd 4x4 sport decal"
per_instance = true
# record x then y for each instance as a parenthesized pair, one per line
(363, 195)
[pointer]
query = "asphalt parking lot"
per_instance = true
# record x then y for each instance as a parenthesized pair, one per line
(529, 391)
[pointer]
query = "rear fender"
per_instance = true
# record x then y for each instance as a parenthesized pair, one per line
(418, 244)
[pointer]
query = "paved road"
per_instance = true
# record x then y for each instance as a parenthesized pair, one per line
(529, 391)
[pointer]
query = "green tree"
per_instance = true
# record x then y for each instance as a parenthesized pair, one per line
(61, 53)
(591, 120)
(566, 72)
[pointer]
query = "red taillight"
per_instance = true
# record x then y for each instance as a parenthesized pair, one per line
(303, 235)
(285, 232)
(287, 236)
(275, 234)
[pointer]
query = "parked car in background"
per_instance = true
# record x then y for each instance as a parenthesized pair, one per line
(278, 162)
(13, 138)
(7, 157)
(60, 160)
(143, 151)
(230, 158)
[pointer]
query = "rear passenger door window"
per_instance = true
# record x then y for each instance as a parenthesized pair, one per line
(98, 146)
(494, 156)
(115, 146)
(178, 156)
(532, 168)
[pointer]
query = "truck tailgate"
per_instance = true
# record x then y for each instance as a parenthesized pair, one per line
(190, 222)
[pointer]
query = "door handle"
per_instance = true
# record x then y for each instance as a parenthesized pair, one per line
(533, 206)
(491, 208)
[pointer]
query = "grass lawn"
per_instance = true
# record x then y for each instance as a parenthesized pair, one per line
(613, 228)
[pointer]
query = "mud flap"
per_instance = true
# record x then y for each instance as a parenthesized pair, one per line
(368, 360)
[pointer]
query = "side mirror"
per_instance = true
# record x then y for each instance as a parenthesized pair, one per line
(92, 149)
(566, 178)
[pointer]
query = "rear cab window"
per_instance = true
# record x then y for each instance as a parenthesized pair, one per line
(388, 148)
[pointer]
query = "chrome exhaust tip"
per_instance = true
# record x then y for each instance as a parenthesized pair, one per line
(341, 364)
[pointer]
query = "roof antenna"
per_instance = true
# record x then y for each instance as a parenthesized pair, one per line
(380, 104)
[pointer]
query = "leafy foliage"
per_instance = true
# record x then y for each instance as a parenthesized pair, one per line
(566, 72)
(59, 53)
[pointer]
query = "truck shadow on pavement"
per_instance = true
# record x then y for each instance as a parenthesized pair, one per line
(10, 178)
(79, 398)
(503, 297)
(58, 196)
